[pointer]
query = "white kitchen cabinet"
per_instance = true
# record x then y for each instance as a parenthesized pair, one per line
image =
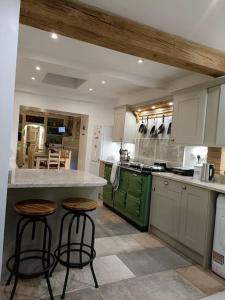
(215, 121)
(193, 217)
(189, 117)
(125, 126)
(183, 215)
(165, 209)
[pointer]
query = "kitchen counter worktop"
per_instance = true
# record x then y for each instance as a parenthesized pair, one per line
(36, 178)
(214, 186)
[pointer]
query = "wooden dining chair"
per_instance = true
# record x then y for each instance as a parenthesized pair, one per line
(54, 160)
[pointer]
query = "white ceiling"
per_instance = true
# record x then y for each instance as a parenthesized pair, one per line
(69, 57)
(202, 21)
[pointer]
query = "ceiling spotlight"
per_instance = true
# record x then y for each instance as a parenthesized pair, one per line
(170, 103)
(90, 89)
(103, 82)
(54, 36)
(37, 68)
(140, 61)
(33, 78)
(153, 107)
(139, 109)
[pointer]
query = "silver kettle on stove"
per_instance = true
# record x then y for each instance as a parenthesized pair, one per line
(208, 171)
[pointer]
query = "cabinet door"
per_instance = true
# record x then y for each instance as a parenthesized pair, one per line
(108, 194)
(119, 123)
(220, 136)
(194, 210)
(165, 210)
(135, 187)
(133, 205)
(189, 118)
(119, 199)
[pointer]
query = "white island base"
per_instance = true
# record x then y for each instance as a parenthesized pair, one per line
(49, 185)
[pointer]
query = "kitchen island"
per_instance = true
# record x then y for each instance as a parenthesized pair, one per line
(50, 185)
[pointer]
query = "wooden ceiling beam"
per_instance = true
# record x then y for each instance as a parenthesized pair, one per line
(89, 24)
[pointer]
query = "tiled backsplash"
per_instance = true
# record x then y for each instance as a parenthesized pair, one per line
(149, 150)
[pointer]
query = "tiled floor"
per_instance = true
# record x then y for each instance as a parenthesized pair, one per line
(130, 265)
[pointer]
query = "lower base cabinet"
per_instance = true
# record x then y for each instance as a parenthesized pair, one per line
(186, 214)
(132, 199)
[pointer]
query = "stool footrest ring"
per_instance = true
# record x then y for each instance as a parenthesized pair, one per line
(60, 251)
(42, 257)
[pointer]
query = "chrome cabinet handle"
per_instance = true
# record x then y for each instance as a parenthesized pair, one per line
(166, 182)
(184, 187)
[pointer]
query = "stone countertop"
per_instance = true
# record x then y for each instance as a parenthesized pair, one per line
(36, 178)
(214, 186)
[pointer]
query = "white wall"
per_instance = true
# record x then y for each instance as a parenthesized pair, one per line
(98, 114)
(9, 26)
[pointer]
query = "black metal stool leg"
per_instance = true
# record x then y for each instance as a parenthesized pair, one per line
(47, 228)
(60, 241)
(17, 256)
(82, 238)
(68, 257)
(92, 250)
(17, 235)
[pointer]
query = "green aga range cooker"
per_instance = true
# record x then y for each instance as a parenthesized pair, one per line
(132, 199)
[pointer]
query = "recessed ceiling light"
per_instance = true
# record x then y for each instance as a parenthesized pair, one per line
(170, 103)
(37, 68)
(54, 36)
(140, 61)
(139, 109)
(90, 89)
(33, 78)
(153, 107)
(103, 82)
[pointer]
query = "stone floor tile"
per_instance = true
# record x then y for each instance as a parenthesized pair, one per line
(116, 244)
(217, 296)
(159, 286)
(147, 240)
(114, 229)
(153, 260)
(108, 269)
(203, 280)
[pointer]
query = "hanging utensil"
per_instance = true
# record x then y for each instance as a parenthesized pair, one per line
(161, 128)
(152, 129)
(155, 133)
(141, 126)
(169, 128)
(146, 128)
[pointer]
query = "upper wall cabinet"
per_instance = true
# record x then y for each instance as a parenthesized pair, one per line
(125, 127)
(189, 117)
(215, 117)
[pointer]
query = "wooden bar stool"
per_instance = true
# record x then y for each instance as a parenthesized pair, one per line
(77, 209)
(32, 212)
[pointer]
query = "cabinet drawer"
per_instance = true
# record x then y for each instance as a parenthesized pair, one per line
(167, 184)
(133, 205)
(135, 184)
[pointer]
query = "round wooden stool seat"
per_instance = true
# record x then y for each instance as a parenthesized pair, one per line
(35, 207)
(79, 204)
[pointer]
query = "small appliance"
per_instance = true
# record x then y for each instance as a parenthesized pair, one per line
(197, 171)
(208, 171)
(218, 254)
